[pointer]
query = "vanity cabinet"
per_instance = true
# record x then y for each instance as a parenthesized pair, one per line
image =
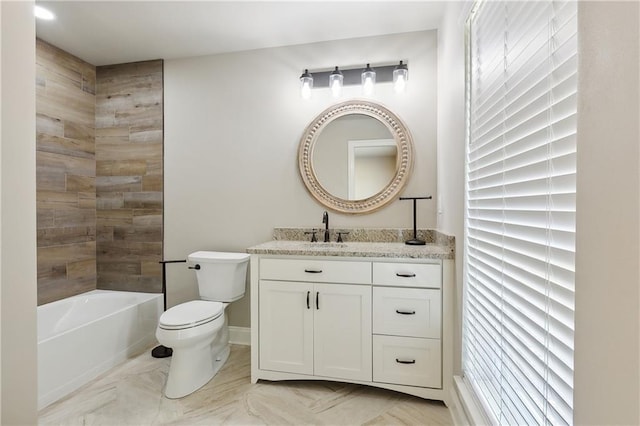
(311, 323)
(355, 319)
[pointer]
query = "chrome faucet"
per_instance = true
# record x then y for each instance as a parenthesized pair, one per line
(325, 220)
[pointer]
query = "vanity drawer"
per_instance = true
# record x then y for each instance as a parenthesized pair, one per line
(407, 274)
(407, 361)
(319, 271)
(411, 312)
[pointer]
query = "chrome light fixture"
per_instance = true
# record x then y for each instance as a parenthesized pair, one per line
(335, 83)
(400, 77)
(306, 84)
(368, 80)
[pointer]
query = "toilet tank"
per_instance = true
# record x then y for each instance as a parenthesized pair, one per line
(221, 276)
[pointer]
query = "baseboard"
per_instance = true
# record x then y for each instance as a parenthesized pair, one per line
(473, 413)
(240, 335)
(456, 408)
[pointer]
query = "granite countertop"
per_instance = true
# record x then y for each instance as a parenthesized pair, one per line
(291, 241)
(353, 249)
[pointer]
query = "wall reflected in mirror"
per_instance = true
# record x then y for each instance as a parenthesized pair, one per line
(355, 157)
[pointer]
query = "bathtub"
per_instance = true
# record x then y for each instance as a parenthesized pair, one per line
(83, 336)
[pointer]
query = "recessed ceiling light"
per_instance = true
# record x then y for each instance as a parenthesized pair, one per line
(43, 13)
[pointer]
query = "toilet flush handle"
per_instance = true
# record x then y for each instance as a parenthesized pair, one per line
(197, 267)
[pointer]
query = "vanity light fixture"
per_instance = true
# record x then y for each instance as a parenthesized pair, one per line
(368, 80)
(400, 77)
(306, 84)
(336, 78)
(335, 83)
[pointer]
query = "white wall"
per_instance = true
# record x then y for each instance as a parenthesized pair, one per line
(18, 216)
(232, 128)
(607, 335)
(451, 145)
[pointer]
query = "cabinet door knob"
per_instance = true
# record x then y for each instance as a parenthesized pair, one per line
(405, 275)
(405, 361)
(398, 311)
(313, 271)
(308, 294)
(317, 300)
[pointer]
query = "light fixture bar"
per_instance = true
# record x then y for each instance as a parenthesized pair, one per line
(353, 76)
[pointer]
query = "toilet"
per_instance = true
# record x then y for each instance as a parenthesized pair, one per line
(197, 331)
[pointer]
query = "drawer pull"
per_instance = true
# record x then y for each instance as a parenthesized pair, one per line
(405, 312)
(405, 275)
(313, 271)
(308, 293)
(404, 361)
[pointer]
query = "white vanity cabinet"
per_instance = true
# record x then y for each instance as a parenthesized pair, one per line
(374, 321)
(313, 324)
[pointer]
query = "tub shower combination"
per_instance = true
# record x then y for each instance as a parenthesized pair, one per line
(83, 336)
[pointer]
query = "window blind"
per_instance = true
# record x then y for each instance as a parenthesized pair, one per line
(520, 210)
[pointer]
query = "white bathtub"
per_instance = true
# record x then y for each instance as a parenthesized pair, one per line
(83, 336)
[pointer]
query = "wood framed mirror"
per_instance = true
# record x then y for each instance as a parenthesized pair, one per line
(355, 157)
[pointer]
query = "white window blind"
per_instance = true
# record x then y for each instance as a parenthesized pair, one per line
(520, 210)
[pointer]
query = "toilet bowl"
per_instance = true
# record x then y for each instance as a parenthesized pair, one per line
(197, 331)
(192, 330)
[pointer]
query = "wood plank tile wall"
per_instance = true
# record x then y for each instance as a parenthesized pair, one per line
(129, 179)
(65, 173)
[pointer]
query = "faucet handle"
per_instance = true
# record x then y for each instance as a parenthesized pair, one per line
(340, 234)
(313, 232)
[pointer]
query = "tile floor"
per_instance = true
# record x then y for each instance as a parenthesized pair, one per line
(131, 394)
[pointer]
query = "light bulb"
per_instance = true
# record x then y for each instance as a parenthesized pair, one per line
(368, 80)
(336, 89)
(400, 76)
(306, 84)
(367, 87)
(305, 91)
(400, 85)
(335, 83)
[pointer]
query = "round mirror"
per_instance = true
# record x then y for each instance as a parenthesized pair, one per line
(355, 157)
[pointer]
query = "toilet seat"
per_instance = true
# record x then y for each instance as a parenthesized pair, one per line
(190, 314)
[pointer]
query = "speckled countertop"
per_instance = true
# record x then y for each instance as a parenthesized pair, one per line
(290, 241)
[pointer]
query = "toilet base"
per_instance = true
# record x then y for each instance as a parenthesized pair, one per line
(189, 373)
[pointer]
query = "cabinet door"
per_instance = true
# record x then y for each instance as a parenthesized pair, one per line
(342, 325)
(286, 326)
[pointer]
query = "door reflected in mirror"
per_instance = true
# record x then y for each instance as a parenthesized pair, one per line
(355, 157)
(372, 165)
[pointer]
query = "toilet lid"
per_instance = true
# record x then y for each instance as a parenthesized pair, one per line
(191, 314)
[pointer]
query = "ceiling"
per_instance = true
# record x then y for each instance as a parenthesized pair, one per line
(112, 32)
